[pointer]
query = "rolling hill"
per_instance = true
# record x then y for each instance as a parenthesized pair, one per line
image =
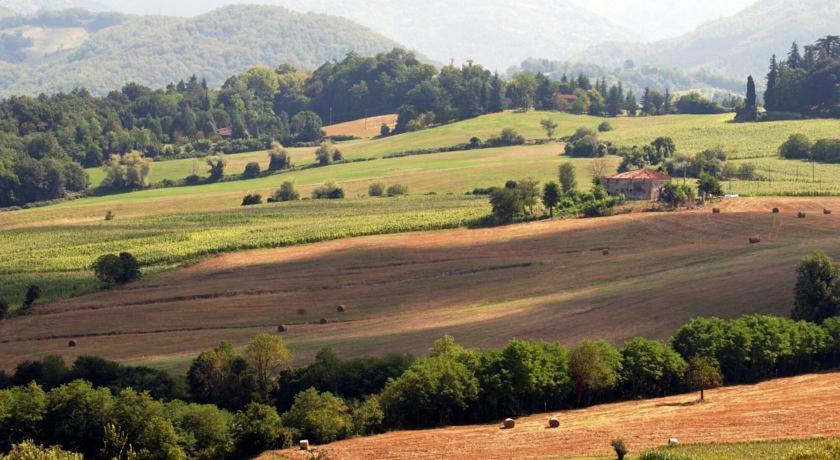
(156, 50)
(774, 412)
(737, 45)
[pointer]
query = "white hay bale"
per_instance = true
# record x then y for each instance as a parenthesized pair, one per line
(509, 423)
(673, 441)
(304, 444)
(554, 422)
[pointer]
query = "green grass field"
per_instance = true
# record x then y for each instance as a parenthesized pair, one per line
(57, 255)
(816, 449)
(691, 133)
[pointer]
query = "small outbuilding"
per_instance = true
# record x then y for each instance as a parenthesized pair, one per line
(641, 184)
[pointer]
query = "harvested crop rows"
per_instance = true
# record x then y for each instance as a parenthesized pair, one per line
(543, 280)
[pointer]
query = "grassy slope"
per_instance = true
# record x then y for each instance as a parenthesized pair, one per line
(692, 133)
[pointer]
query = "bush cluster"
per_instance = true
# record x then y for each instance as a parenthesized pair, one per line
(798, 146)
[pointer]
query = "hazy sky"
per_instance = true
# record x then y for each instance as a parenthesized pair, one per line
(652, 19)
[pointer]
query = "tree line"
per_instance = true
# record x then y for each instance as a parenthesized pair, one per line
(802, 84)
(43, 139)
(235, 404)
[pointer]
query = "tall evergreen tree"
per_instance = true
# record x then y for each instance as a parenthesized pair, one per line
(666, 105)
(750, 110)
(770, 96)
(497, 95)
(794, 60)
(630, 103)
(647, 103)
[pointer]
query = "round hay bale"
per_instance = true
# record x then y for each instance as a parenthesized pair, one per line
(509, 423)
(755, 240)
(801, 215)
(301, 311)
(323, 321)
(715, 210)
(341, 308)
(554, 422)
(71, 344)
(673, 441)
(304, 444)
(775, 210)
(826, 211)
(281, 328)
(605, 252)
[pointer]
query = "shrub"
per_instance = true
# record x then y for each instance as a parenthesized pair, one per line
(256, 429)
(709, 184)
(676, 195)
(826, 150)
(587, 146)
(33, 293)
(252, 199)
(797, 146)
(384, 130)
(397, 190)
(278, 158)
(329, 190)
(319, 417)
(605, 127)
(192, 179)
(664, 454)
(109, 215)
(324, 154)
(376, 189)
(619, 448)
(252, 170)
(217, 168)
(113, 269)
(4, 308)
(508, 136)
(367, 416)
(286, 192)
(28, 450)
(337, 155)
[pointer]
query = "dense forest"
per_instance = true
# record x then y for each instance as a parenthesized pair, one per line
(806, 82)
(220, 43)
(51, 135)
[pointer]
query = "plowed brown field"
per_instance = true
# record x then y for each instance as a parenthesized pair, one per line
(546, 280)
(792, 408)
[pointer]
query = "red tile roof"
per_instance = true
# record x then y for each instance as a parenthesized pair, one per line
(642, 174)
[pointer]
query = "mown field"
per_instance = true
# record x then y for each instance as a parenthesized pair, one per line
(545, 280)
(750, 422)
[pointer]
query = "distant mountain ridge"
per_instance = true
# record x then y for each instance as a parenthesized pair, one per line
(736, 46)
(494, 33)
(156, 50)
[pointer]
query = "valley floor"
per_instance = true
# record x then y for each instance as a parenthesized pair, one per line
(546, 280)
(790, 408)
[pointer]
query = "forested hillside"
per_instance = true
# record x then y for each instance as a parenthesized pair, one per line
(156, 50)
(638, 77)
(737, 45)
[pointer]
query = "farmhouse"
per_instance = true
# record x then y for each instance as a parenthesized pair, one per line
(641, 184)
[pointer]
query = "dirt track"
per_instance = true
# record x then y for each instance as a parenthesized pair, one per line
(799, 407)
(546, 280)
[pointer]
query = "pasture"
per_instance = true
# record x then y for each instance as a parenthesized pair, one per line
(545, 280)
(768, 414)
(691, 133)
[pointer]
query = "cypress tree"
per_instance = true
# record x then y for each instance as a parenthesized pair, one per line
(770, 95)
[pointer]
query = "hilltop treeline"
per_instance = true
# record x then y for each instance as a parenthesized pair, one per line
(48, 133)
(807, 83)
(237, 400)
